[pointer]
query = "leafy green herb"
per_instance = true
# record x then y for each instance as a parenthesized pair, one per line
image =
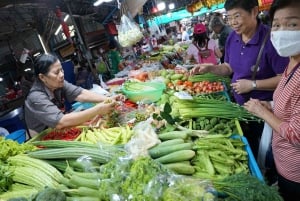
(11, 148)
(241, 187)
(5, 178)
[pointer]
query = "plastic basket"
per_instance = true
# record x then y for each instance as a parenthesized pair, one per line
(12, 121)
(255, 171)
(146, 96)
(253, 166)
(18, 135)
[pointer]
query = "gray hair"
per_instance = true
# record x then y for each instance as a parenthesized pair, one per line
(215, 21)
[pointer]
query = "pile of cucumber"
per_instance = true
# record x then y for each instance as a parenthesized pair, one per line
(174, 152)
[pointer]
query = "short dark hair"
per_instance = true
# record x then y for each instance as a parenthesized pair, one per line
(201, 39)
(43, 63)
(216, 21)
(277, 4)
(246, 5)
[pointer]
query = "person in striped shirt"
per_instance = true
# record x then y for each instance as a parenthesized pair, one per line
(284, 118)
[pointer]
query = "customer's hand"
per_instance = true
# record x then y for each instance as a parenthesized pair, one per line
(267, 104)
(199, 69)
(256, 107)
(242, 86)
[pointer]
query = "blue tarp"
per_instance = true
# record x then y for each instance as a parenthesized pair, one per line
(178, 15)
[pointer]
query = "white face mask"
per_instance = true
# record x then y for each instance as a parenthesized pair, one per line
(286, 43)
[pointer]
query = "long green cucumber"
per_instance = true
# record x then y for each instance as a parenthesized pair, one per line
(157, 152)
(171, 142)
(176, 156)
(181, 168)
(174, 135)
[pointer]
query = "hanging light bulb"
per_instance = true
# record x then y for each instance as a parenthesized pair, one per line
(161, 6)
(98, 2)
(171, 6)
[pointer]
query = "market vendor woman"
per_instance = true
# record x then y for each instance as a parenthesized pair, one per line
(44, 104)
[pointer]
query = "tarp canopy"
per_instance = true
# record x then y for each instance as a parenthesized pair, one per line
(133, 6)
(178, 15)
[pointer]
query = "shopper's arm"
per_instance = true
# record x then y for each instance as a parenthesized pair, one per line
(244, 86)
(223, 69)
(256, 107)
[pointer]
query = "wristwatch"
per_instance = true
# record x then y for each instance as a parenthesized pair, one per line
(254, 84)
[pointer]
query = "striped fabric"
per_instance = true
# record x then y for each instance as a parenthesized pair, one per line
(286, 144)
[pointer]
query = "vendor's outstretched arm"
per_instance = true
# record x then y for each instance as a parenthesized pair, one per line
(90, 96)
(223, 69)
(78, 118)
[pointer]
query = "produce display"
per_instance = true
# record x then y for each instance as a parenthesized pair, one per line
(65, 134)
(114, 135)
(176, 137)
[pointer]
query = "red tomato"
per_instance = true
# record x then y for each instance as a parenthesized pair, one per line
(179, 82)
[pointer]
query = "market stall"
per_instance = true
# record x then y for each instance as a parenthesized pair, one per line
(175, 137)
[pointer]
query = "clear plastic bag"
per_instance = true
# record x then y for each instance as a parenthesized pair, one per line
(129, 32)
(144, 138)
(181, 188)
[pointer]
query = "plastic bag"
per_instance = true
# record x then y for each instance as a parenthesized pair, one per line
(264, 145)
(129, 32)
(183, 188)
(144, 138)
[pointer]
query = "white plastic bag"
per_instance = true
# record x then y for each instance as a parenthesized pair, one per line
(264, 145)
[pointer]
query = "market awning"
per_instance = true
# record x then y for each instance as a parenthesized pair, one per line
(178, 15)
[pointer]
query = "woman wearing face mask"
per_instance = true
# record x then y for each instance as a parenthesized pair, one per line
(44, 104)
(241, 51)
(285, 117)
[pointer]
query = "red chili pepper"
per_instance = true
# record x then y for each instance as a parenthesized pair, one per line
(66, 134)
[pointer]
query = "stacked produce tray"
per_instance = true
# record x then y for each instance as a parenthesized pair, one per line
(253, 166)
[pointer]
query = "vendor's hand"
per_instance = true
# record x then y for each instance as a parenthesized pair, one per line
(256, 107)
(242, 86)
(118, 97)
(107, 106)
(199, 69)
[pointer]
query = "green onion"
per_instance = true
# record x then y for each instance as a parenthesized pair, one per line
(201, 107)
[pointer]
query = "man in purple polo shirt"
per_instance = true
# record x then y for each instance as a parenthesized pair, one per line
(241, 52)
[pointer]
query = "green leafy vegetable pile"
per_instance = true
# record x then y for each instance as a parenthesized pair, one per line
(185, 188)
(5, 178)
(141, 179)
(11, 148)
(241, 187)
(132, 179)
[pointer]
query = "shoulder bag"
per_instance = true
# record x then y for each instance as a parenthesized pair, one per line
(255, 67)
